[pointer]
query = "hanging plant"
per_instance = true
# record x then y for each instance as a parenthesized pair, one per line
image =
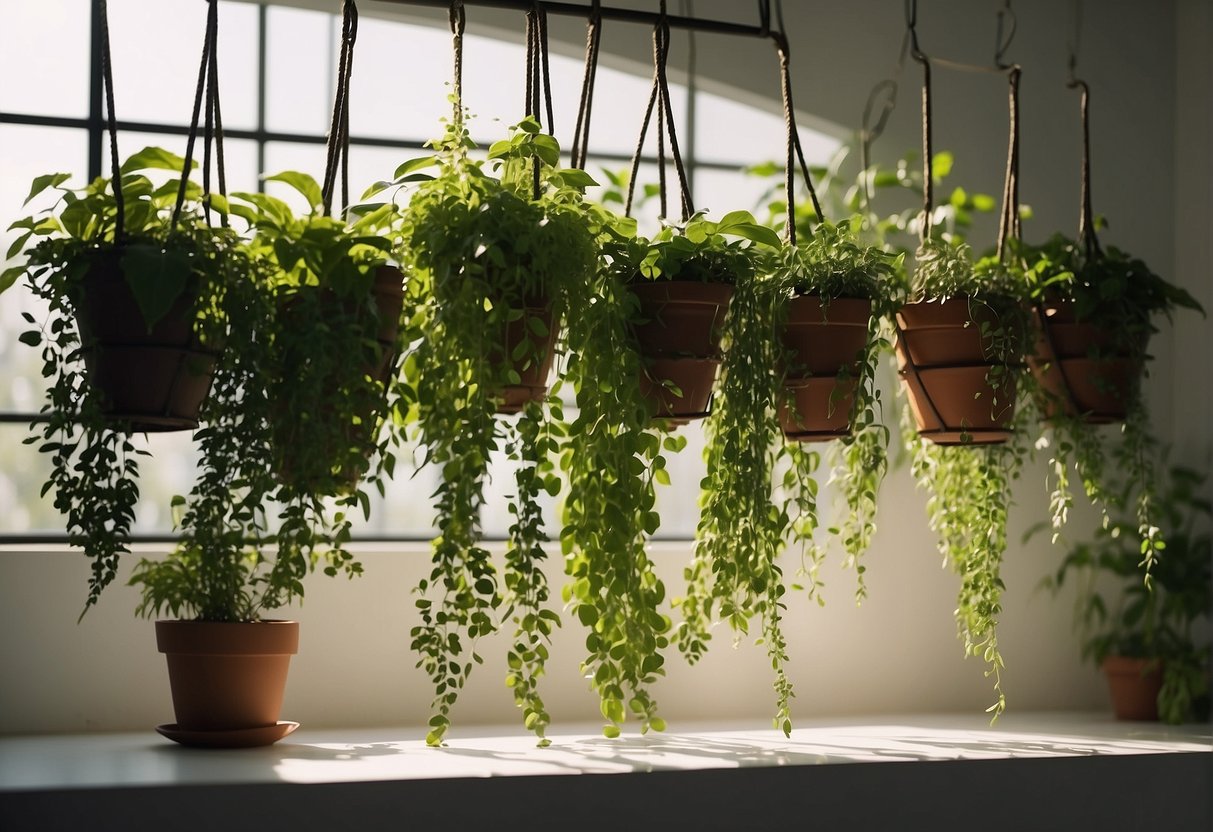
(145, 299)
(117, 267)
(612, 461)
(485, 253)
(960, 345)
(1092, 319)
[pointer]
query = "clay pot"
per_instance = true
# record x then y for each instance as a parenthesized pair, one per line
(227, 679)
(148, 381)
(1081, 368)
(1134, 685)
(948, 378)
(821, 341)
(680, 317)
(533, 372)
(817, 409)
(678, 337)
(694, 378)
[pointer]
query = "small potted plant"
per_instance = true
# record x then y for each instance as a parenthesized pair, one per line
(1093, 311)
(683, 286)
(1145, 636)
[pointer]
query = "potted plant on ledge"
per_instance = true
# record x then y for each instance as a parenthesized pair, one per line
(1146, 638)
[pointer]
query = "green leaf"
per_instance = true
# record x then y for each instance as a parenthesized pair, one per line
(10, 276)
(41, 183)
(983, 202)
(157, 277)
(155, 158)
(413, 165)
(574, 178)
(304, 184)
(547, 149)
(941, 165)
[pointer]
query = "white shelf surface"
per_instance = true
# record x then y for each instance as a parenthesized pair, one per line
(91, 761)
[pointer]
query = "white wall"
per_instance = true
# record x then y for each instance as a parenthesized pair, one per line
(1148, 64)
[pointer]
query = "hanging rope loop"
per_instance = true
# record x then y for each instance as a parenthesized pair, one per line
(107, 76)
(207, 92)
(1087, 235)
(659, 98)
(538, 81)
(458, 20)
(1007, 23)
(1009, 226)
(581, 132)
(338, 145)
(795, 153)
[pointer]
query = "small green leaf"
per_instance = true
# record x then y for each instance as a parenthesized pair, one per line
(41, 183)
(157, 278)
(304, 184)
(155, 158)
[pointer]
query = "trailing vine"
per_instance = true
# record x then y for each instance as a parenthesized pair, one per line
(612, 461)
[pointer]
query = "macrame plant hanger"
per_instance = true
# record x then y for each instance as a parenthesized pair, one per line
(207, 92)
(1086, 219)
(795, 153)
(581, 131)
(1009, 222)
(659, 98)
(538, 82)
(176, 411)
(107, 77)
(338, 146)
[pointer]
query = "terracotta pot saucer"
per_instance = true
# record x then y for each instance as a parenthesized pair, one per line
(240, 738)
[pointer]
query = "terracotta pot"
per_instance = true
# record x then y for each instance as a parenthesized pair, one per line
(227, 678)
(694, 378)
(149, 381)
(1134, 685)
(944, 366)
(534, 373)
(1080, 368)
(817, 409)
(821, 341)
(944, 334)
(681, 318)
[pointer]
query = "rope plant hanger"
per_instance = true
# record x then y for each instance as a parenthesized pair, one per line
(338, 146)
(581, 131)
(659, 98)
(1009, 228)
(185, 387)
(207, 91)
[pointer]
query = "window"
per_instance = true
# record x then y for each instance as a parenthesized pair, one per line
(277, 67)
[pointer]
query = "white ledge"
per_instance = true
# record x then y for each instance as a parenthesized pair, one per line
(1033, 766)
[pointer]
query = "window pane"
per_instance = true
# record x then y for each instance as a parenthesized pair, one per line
(301, 70)
(26, 152)
(400, 83)
(169, 471)
(157, 48)
(720, 191)
(41, 77)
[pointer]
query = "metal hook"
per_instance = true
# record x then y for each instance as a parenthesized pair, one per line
(764, 17)
(1004, 37)
(911, 13)
(1073, 42)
